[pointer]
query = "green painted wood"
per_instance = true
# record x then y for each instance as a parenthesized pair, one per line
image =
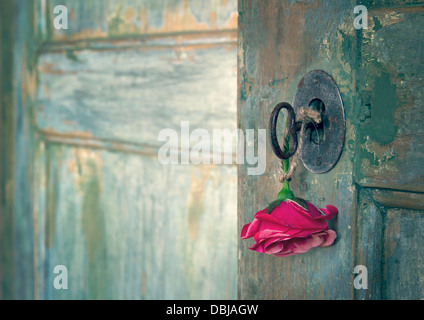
(279, 42)
(389, 4)
(126, 226)
(117, 18)
(389, 150)
(398, 199)
(131, 95)
(24, 78)
(7, 150)
(369, 245)
(378, 73)
(80, 179)
(404, 254)
(18, 78)
(390, 134)
(389, 244)
(129, 228)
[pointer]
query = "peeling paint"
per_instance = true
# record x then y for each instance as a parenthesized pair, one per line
(389, 127)
(125, 17)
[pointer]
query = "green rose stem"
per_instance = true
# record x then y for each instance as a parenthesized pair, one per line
(285, 192)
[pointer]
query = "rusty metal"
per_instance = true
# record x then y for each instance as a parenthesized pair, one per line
(324, 141)
(291, 131)
(293, 127)
(322, 155)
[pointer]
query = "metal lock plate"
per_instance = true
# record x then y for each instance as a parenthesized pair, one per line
(322, 145)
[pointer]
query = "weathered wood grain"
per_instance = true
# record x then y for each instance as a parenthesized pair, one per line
(369, 245)
(80, 183)
(404, 256)
(389, 150)
(398, 199)
(179, 42)
(129, 228)
(378, 71)
(7, 150)
(18, 88)
(390, 134)
(117, 18)
(131, 96)
(126, 226)
(390, 4)
(389, 245)
(280, 41)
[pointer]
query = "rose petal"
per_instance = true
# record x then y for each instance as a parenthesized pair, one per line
(330, 212)
(286, 253)
(275, 247)
(258, 247)
(250, 229)
(294, 216)
(267, 233)
(314, 212)
(304, 245)
(329, 238)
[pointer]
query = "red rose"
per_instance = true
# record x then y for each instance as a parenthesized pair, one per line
(294, 226)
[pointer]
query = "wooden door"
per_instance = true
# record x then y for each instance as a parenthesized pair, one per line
(81, 182)
(378, 183)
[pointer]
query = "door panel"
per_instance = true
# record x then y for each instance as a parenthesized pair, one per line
(390, 134)
(99, 19)
(377, 182)
(128, 227)
(86, 188)
(389, 149)
(17, 91)
(403, 238)
(130, 95)
(389, 244)
(369, 250)
(279, 42)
